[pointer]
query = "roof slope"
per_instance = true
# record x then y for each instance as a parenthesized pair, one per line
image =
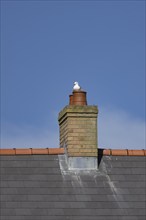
(39, 187)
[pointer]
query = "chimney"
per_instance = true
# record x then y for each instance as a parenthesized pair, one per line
(78, 131)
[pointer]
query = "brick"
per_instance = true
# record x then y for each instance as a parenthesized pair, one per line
(82, 116)
(82, 146)
(83, 154)
(74, 150)
(86, 127)
(80, 138)
(75, 142)
(80, 122)
(70, 130)
(83, 131)
(87, 150)
(85, 138)
(73, 147)
(70, 138)
(75, 126)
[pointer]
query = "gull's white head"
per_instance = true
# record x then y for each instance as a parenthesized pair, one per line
(76, 86)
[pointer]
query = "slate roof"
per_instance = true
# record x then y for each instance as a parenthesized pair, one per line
(40, 187)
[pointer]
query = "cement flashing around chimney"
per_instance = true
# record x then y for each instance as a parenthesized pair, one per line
(82, 163)
(65, 168)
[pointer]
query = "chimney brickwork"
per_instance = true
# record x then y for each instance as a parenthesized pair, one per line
(78, 130)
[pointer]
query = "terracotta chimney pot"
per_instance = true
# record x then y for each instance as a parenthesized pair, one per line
(71, 100)
(79, 98)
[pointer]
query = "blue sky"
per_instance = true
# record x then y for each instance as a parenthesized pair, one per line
(47, 45)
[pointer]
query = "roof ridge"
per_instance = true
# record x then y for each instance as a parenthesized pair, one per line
(124, 152)
(31, 151)
(56, 151)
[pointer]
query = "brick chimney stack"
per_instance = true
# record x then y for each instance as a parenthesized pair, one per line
(78, 131)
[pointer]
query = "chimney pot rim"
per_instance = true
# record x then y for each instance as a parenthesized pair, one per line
(79, 91)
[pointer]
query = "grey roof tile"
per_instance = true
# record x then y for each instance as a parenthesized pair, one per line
(33, 187)
(73, 218)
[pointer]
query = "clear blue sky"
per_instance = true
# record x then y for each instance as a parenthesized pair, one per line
(47, 45)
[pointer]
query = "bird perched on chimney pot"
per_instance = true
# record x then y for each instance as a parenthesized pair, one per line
(76, 86)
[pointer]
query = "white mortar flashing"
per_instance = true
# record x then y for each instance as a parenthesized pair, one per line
(82, 163)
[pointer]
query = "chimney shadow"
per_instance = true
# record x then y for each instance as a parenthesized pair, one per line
(100, 155)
